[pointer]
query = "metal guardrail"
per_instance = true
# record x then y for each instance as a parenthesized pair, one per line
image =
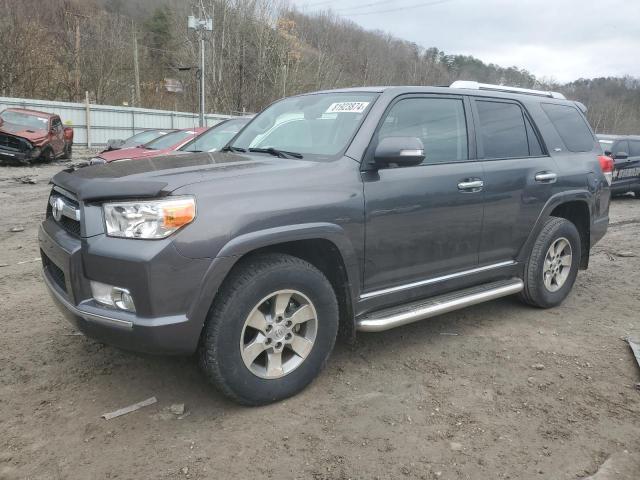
(95, 124)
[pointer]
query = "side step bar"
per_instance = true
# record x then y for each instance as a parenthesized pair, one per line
(381, 320)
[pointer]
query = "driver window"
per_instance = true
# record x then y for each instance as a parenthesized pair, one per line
(439, 122)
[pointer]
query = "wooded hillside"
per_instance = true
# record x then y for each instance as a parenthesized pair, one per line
(259, 51)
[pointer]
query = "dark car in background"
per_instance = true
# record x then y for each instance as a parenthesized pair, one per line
(216, 137)
(28, 135)
(137, 139)
(625, 151)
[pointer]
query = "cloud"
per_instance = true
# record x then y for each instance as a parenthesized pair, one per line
(560, 39)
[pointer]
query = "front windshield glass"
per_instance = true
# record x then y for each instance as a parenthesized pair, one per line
(169, 140)
(145, 137)
(317, 124)
(606, 145)
(216, 137)
(33, 122)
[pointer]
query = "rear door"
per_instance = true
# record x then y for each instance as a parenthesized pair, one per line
(423, 221)
(518, 176)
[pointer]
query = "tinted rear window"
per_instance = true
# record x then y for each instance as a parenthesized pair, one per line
(502, 130)
(571, 127)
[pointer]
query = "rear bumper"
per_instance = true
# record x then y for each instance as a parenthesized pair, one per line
(159, 281)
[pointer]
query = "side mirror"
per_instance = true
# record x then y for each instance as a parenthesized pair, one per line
(621, 156)
(402, 151)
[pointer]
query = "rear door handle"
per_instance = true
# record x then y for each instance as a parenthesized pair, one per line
(471, 185)
(546, 177)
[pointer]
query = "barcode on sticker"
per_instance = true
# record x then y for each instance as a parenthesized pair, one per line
(347, 107)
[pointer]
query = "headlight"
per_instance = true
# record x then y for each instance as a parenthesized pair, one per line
(148, 220)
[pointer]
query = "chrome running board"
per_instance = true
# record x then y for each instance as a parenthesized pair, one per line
(381, 320)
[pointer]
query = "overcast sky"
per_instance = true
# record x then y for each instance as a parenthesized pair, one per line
(559, 39)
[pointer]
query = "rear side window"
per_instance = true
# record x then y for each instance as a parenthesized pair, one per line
(571, 127)
(503, 131)
(621, 147)
(438, 122)
(634, 148)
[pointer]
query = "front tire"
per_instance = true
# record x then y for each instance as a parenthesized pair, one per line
(270, 330)
(47, 155)
(68, 152)
(552, 266)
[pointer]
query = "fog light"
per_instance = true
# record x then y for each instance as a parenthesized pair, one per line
(112, 296)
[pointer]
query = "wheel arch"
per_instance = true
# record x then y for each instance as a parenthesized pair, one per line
(574, 206)
(324, 245)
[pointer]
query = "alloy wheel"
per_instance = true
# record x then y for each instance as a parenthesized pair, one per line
(278, 334)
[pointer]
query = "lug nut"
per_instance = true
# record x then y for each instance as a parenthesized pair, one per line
(278, 319)
(289, 323)
(288, 336)
(278, 345)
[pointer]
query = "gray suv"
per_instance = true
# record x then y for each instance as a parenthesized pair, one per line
(332, 212)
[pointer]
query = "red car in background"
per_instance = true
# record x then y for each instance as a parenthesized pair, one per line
(27, 135)
(164, 145)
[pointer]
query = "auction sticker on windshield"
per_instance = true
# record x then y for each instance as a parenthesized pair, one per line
(347, 107)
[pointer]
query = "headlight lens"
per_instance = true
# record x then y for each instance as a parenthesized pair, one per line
(148, 220)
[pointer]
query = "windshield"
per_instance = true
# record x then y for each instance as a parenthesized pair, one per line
(216, 137)
(169, 140)
(144, 137)
(30, 121)
(318, 124)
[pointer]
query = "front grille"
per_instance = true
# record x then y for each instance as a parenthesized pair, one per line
(69, 224)
(14, 143)
(56, 273)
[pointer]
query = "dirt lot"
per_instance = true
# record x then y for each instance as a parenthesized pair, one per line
(496, 391)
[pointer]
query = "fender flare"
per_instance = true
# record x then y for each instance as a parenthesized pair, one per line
(581, 195)
(239, 246)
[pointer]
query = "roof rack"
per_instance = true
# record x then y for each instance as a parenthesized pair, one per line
(503, 88)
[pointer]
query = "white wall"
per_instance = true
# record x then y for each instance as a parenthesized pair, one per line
(110, 122)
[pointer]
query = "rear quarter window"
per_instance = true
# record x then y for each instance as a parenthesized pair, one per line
(571, 127)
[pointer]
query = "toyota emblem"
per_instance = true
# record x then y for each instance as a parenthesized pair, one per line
(56, 209)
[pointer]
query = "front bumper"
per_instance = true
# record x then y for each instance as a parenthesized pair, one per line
(163, 283)
(14, 156)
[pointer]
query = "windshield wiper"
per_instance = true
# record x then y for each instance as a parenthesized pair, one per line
(229, 148)
(276, 153)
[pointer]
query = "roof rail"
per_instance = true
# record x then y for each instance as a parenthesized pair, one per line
(503, 88)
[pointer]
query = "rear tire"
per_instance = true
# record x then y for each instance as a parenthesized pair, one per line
(552, 266)
(270, 330)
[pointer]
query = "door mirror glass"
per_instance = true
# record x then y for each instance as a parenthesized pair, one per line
(401, 151)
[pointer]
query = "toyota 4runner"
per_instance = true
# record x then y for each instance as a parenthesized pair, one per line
(333, 212)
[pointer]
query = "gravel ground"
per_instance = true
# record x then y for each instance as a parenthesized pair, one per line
(496, 391)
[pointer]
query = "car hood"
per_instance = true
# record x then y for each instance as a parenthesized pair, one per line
(33, 135)
(158, 176)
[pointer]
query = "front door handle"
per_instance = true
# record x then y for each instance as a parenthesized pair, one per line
(471, 185)
(546, 177)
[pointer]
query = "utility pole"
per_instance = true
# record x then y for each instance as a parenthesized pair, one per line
(201, 25)
(76, 53)
(136, 67)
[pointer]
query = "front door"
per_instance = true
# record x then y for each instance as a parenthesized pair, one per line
(424, 221)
